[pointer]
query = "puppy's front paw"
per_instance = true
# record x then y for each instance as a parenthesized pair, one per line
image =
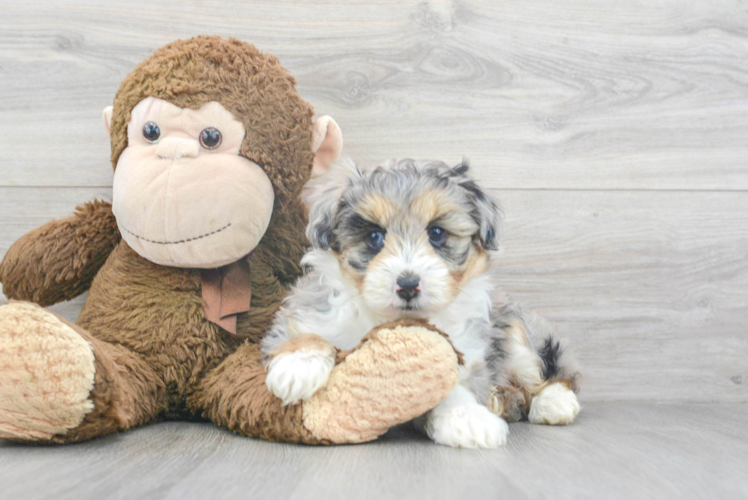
(298, 375)
(555, 405)
(467, 426)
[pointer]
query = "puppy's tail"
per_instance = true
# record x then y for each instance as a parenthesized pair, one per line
(526, 358)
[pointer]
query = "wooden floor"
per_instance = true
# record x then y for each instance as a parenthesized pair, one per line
(615, 450)
(615, 134)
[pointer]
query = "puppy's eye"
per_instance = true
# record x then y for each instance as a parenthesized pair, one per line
(210, 138)
(151, 132)
(375, 240)
(437, 236)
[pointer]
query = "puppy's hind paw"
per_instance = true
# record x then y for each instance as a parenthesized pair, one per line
(555, 405)
(298, 375)
(467, 426)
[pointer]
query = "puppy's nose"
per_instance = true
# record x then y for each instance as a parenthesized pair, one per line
(407, 286)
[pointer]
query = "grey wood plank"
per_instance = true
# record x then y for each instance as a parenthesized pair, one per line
(649, 288)
(622, 450)
(543, 94)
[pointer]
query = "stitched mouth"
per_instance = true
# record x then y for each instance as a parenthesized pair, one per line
(186, 240)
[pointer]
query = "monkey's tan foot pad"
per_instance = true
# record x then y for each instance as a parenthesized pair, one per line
(46, 374)
(394, 376)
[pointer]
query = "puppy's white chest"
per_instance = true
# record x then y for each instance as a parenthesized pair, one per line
(466, 322)
(346, 326)
(472, 346)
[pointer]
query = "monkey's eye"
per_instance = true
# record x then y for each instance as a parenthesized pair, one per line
(437, 236)
(151, 132)
(375, 240)
(210, 138)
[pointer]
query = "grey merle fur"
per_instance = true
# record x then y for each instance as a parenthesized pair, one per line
(336, 225)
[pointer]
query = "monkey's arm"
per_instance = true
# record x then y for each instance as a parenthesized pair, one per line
(58, 261)
(398, 372)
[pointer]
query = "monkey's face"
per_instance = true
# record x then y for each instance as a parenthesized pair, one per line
(183, 196)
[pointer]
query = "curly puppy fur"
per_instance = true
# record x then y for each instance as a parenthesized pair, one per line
(410, 239)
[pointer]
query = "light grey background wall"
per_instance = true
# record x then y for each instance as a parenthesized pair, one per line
(615, 133)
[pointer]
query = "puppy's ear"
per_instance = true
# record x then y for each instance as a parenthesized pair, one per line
(486, 210)
(322, 196)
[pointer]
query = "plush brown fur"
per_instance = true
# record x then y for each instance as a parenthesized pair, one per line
(252, 85)
(234, 395)
(58, 261)
(127, 392)
(156, 354)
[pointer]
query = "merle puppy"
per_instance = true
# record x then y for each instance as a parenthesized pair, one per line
(411, 239)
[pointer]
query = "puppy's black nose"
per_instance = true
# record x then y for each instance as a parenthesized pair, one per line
(407, 286)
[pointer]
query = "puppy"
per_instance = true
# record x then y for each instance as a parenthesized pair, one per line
(411, 239)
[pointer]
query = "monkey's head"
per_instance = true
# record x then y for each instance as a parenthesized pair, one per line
(209, 138)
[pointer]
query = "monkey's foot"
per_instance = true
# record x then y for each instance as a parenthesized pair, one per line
(398, 373)
(46, 374)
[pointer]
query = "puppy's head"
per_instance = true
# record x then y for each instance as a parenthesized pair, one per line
(409, 234)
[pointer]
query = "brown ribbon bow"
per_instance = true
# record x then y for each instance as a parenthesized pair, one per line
(227, 292)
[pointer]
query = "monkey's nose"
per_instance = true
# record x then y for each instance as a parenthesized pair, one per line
(407, 286)
(176, 147)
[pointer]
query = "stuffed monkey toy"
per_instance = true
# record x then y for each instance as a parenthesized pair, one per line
(211, 146)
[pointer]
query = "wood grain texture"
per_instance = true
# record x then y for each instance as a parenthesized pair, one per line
(550, 94)
(616, 451)
(650, 288)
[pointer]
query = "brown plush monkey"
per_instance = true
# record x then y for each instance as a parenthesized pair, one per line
(211, 146)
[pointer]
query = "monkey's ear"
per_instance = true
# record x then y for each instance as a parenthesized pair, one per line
(327, 143)
(107, 118)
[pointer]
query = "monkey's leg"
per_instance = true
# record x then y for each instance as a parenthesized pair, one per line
(60, 384)
(396, 374)
(542, 380)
